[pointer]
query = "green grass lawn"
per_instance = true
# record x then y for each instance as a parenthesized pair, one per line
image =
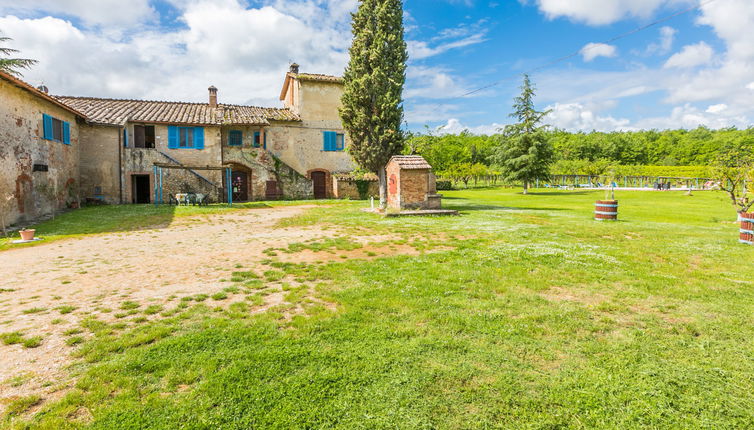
(538, 317)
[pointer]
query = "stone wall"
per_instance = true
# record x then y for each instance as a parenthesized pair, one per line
(347, 188)
(99, 163)
(26, 195)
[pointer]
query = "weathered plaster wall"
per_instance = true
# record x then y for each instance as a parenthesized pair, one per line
(262, 167)
(301, 146)
(98, 161)
(139, 161)
(34, 194)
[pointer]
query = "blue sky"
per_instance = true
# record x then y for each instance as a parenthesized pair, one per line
(695, 69)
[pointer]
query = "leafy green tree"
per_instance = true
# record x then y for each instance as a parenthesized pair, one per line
(526, 154)
(13, 65)
(372, 110)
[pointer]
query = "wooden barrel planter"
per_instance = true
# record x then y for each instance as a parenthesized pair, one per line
(746, 233)
(606, 210)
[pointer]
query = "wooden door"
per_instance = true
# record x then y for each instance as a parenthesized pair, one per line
(272, 192)
(320, 185)
(240, 183)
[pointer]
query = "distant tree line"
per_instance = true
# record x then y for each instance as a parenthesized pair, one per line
(466, 156)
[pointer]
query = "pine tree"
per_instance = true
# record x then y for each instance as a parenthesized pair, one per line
(525, 153)
(13, 65)
(372, 110)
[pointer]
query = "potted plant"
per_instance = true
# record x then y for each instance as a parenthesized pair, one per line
(27, 234)
(607, 210)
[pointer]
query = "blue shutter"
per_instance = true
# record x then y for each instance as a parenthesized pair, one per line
(256, 139)
(172, 137)
(66, 133)
(330, 137)
(47, 126)
(265, 141)
(199, 137)
(326, 138)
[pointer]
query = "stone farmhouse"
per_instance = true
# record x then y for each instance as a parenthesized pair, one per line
(60, 151)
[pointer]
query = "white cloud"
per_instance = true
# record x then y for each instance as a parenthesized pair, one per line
(600, 12)
(665, 44)
(244, 52)
(418, 50)
(594, 50)
(432, 83)
(689, 117)
(750, 86)
(718, 108)
(691, 56)
(454, 126)
(99, 12)
(576, 116)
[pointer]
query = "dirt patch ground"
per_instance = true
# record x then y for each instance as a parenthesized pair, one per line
(48, 290)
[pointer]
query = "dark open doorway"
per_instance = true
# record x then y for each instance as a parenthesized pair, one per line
(240, 180)
(140, 189)
(320, 185)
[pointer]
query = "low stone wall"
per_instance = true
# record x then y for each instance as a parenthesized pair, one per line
(348, 188)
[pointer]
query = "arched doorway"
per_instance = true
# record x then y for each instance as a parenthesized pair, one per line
(240, 180)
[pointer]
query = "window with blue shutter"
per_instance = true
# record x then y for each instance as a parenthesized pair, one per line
(125, 137)
(66, 133)
(47, 126)
(235, 138)
(258, 141)
(331, 141)
(172, 137)
(199, 137)
(55, 129)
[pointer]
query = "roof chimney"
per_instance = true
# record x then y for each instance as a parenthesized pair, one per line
(294, 68)
(212, 96)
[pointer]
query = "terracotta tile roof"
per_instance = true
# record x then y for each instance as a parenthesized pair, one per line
(120, 111)
(316, 77)
(28, 87)
(410, 162)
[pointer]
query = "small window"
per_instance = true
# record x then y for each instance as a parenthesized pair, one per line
(340, 142)
(144, 136)
(235, 138)
(57, 130)
(186, 137)
(40, 168)
(333, 141)
(258, 141)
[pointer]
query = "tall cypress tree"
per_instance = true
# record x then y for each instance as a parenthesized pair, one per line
(525, 153)
(372, 110)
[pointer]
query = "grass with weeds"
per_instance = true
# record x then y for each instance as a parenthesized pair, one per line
(536, 317)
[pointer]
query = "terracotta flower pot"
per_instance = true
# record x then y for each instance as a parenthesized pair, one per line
(27, 234)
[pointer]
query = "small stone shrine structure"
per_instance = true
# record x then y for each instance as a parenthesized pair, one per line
(411, 184)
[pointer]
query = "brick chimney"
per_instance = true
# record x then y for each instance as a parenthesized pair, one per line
(294, 68)
(212, 96)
